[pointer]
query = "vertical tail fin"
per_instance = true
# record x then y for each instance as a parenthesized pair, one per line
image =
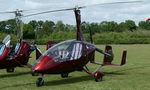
(124, 54)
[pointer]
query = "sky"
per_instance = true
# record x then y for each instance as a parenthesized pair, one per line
(97, 13)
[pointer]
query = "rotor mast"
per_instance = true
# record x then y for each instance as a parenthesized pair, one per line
(78, 24)
(19, 24)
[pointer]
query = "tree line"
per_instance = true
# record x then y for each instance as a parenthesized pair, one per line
(45, 28)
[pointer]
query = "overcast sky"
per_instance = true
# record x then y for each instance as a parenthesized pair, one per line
(118, 12)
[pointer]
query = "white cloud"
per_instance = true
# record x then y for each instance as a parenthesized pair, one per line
(116, 12)
(32, 5)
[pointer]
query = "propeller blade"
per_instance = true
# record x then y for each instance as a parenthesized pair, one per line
(91, 35)
(101, 51)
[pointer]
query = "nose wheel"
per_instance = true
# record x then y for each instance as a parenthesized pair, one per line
(98, 76)
(10, 69)
(40, 82)
(64, 75)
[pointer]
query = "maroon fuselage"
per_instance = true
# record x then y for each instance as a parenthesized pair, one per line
(15, 59)
(47, 65)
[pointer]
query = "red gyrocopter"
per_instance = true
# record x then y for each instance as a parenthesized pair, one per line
(18, 55)
(11, 57)
(73, 55)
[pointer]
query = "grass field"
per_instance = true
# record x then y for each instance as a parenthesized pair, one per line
(135, 75)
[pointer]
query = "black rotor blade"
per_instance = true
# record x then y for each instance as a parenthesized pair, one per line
(102, 52)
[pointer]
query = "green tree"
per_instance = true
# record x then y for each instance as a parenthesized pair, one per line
(28, 32)
(106, 26)
(130, 24)
(59, 26)
(144, 25)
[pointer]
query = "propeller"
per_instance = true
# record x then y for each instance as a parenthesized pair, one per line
(91, 34)
(102, 52)
(76, 8)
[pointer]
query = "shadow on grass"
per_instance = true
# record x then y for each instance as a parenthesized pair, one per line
(12, 86)
(132, 68)
(122, 71)
(14, 74)
(69, 80)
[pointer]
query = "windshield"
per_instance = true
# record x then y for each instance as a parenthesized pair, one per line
(2, 47)
(67, 50)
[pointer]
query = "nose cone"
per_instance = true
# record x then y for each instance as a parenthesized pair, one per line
(42, 65)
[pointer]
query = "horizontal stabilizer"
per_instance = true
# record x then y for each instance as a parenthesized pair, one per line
(108, 59)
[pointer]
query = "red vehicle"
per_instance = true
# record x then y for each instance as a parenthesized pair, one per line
(16, 56)
(72, 55)
(148, 19)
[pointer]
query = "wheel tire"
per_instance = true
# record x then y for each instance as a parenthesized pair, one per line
(64, 75)
(10, 69)
(98, 76)
(98, 79)
(39, 82)
(34, 74)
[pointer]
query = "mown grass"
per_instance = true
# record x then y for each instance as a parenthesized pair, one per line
(135, 75)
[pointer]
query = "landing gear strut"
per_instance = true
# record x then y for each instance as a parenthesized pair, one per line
(97, 75)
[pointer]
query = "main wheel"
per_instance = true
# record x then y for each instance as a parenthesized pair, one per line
(40, 82)
(64, 75)
(98, 79)
(34, 74)
(10, 69)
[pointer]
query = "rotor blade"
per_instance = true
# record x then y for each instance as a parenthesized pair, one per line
(113, 3)
(17, 10)
(7, 12)
(49, 12)
(101, 51)
(68, 9)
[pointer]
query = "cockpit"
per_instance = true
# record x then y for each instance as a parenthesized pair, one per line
(64, 51)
